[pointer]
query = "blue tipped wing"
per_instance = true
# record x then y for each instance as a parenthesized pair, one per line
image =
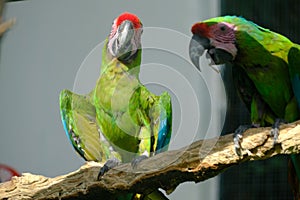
(165, 123)
(294, 69)
(71, 134)
(79, 121)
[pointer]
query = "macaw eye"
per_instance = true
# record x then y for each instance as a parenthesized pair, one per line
(223, 28)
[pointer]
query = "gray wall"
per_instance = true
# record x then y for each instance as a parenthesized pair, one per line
(54, 46)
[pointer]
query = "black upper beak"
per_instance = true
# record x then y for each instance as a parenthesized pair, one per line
(197, 47)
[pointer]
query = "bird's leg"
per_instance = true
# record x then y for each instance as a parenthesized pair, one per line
(144, 144)
(109, 164)
(138, 159)
(238, 137)
(275, 129)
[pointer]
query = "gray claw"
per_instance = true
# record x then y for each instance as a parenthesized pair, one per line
(110, 163)
(137, 160)
(237, 139)
(275, 130)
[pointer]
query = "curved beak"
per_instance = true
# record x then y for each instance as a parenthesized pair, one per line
(124, 37)
(126, 33)
(196, 49)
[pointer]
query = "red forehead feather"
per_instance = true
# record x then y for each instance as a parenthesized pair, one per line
(131, 17)
(200, 29)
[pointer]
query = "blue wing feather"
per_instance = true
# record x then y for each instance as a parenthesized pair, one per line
(70, 134)
(78, 117)
(165, 123)
(163, 139)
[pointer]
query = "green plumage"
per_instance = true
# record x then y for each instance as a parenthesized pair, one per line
(127, 111)
(120, 118)
(263, 55)
(266, 68)
(79, 119)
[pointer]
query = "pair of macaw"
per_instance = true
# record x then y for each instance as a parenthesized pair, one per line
(121, 119)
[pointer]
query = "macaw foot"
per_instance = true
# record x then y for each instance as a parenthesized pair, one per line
(238, 137)
(110, 163)
(275, 129)
(139, 159)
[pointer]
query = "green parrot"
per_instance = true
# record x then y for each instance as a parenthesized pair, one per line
(266, 69)
(120, 120)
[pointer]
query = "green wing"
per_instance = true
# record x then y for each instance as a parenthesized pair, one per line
(116, 102)
(78, 118)
(154, 116)
(161, 122)
(294, 70)
(127, 111)
(260, 111)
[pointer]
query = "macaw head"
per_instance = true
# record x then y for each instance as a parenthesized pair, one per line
(125, 37)
(218, 37)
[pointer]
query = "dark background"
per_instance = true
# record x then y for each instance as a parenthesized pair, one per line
(260, 179)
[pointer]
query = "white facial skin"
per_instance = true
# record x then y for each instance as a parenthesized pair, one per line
(223, 37)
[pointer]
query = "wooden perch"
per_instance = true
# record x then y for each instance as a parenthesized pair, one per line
(197, 162)
(4, 26)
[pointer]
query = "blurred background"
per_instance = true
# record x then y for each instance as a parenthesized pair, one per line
(55, 45)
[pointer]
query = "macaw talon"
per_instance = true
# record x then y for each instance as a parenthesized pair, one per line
(137, 160)
(109, 164)
(238, 138)
(275, 129)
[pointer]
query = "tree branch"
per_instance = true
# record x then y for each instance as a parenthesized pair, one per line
(4, 26)
(197, 162)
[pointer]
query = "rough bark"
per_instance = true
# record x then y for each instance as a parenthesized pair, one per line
(197, 162)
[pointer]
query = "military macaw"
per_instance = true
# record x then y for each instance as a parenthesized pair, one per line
(120, 120)
(266, 69)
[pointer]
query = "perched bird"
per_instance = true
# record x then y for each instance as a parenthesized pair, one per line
(134, 121)
(120, 120)
(266, 69)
